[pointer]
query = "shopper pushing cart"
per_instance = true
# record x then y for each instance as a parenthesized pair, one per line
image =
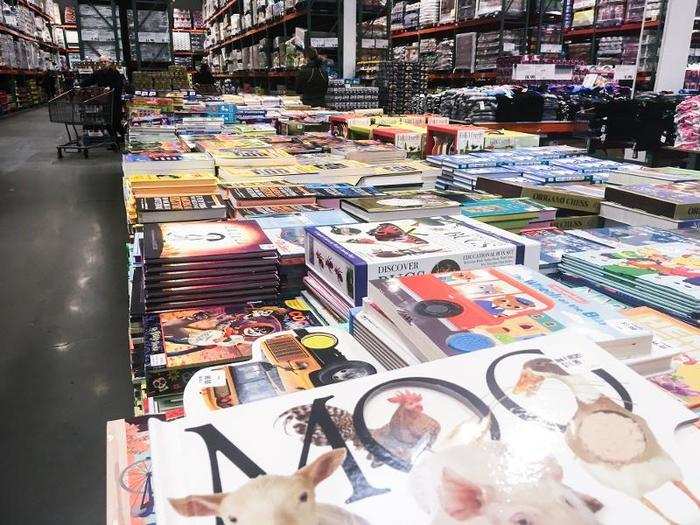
(107, 76)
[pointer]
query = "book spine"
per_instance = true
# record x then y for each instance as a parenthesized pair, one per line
(579, 222)
(567, 201)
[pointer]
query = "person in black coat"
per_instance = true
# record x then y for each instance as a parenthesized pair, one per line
(203, 76)
(311, 81)
(107, 76)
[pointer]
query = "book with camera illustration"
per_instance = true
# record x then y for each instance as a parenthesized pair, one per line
(547, 431)
(282, 363)
(349, 256)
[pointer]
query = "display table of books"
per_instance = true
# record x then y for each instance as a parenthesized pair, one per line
(433, 323)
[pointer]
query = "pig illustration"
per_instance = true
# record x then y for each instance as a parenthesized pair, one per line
(483, 483)
(275, 500)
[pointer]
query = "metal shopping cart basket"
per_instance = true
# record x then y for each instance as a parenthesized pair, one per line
(89, 108)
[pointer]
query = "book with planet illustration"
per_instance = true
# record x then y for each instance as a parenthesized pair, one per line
(548, 430)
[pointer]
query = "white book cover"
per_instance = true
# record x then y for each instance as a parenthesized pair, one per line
(551, 431)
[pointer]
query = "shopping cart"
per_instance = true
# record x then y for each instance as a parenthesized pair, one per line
(89, 108)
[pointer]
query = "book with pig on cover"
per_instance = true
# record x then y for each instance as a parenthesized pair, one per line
(552, 430)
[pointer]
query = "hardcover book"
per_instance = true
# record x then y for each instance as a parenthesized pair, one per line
(282, 363)
(185, 208)
(555, 242)
(400, 205)
(205, 336)
(191, 241)
(349, 256)
(552, 430)
(464, 311)
(245, 157)
(631, 236)
(504, 209)
(680, 200)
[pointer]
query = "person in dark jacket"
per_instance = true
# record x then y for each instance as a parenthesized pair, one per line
(107, 76)
(311, 81)
(203, 76)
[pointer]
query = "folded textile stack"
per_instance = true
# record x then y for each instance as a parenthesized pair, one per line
(687, 121)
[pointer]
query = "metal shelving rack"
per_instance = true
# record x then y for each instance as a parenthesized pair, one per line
(137, 26)
(111, 21)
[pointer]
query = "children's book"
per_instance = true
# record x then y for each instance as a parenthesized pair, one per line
(545, 430)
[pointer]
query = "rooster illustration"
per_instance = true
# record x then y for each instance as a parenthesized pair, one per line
(409, 431)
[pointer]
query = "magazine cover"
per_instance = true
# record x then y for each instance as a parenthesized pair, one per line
(282, 363)
(350, 255)
(550, 431)
(196, 337)
(187, 241)
(464, 311)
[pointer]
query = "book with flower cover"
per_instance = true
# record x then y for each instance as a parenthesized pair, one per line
(192, 241)
(542, 431)
(456, 312)
(348, 256)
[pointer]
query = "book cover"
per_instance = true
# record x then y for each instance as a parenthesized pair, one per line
(282, 363)
(197, 337)
(189, 241)
(175, 204)
(555, 242)
(680, 200)
(457, 312)
(683, 382)
(548, 431)
(348, 256)
(501, 209)
(400, 201)
(179, 178)
(229, 175)
(630, 236)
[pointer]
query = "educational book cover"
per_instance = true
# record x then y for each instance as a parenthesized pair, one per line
(555, 242)
(282, 363)
(348, 256)
(186, 241)
(552, 430)
(202, 336)
(452, 313)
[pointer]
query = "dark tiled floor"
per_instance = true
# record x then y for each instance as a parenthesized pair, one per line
(63, 319)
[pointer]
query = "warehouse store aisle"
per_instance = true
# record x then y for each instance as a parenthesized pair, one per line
(63, 360)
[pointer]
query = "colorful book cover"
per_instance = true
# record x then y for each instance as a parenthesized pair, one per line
(184, 203)
(683, 382)
(282, 363)
(546, 431)
(232, 176)
(188, 241)
(403, 201)
(595, 295)
(348, 256)
(501, 209)
(156, 180)
(202, 336)
(631, 236)
(555, 242)
(129, 478)
(457, 312)
(680, 200)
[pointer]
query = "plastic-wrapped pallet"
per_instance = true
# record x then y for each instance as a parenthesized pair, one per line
(610, 13)
(466, 9)
(444, 55)
(494, 7)
(465, 51)
(429, 12)
(447, 11)
(687, 122)
(181, 41)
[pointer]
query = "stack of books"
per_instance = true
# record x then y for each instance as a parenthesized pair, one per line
(513, 215)
(665, 276)
(554, 243)
(190, 264)
(400, 205)
(437, 316)
(286, 226)
(180, 342)
(342, 259)
(166, 163)
(670, 206)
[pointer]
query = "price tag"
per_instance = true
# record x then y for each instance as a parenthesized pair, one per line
(625, 72)
(589, 80)
(157, 360)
